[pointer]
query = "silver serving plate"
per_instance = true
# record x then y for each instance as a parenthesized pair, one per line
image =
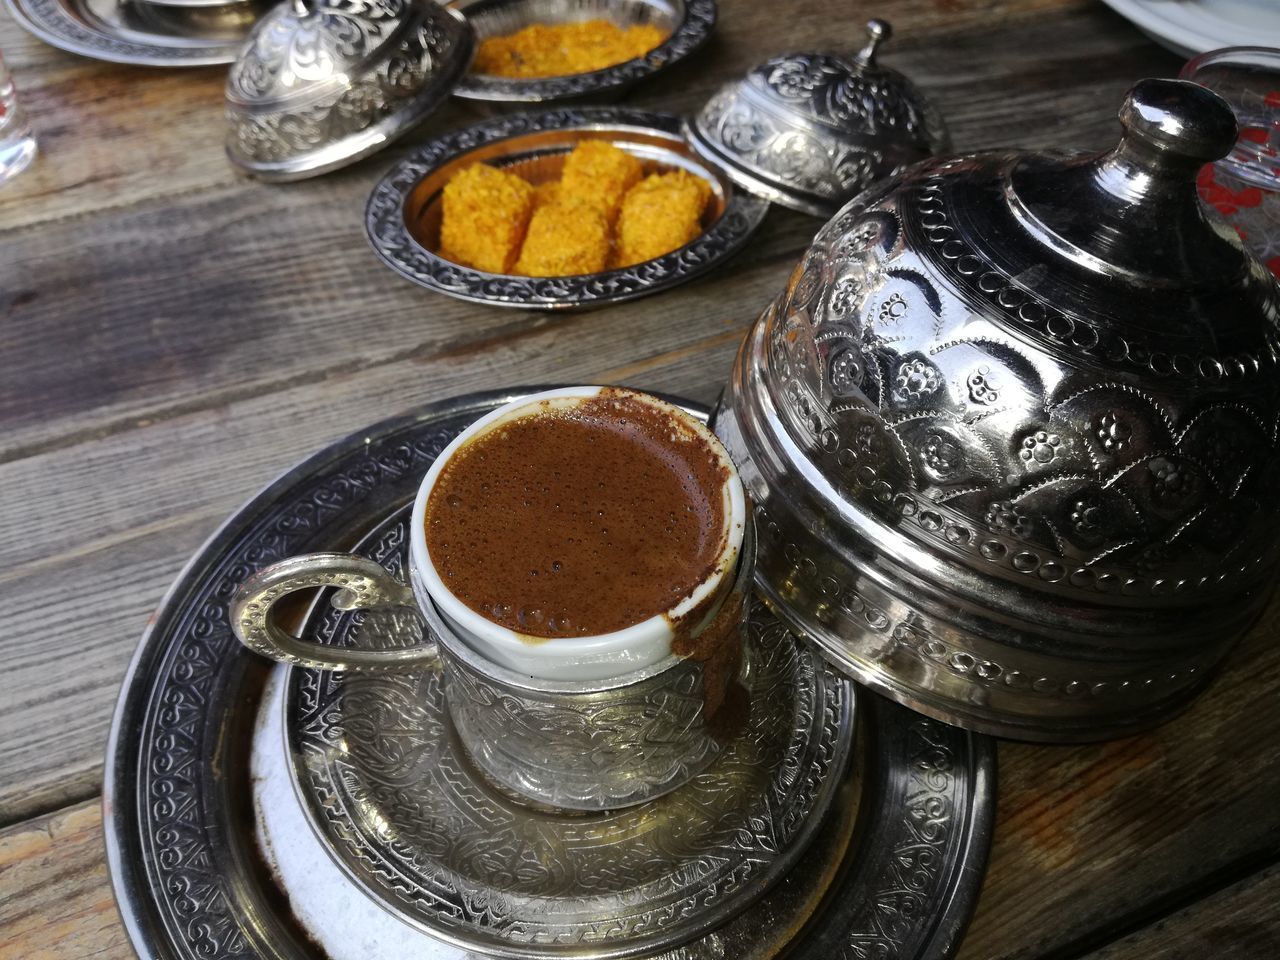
(402, 219)
(417, 825)
(182, 830)
(688, 24)
(145, 34)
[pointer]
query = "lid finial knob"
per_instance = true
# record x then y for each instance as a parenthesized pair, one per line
(877, 31)
(1175, 125)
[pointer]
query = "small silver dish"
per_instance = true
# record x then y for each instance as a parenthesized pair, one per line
(688, 24)
(322, 83)
(402, 218)
(140, 33)
(812, 130)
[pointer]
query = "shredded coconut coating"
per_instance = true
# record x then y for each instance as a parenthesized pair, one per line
(563, 49)
(566, 237)
(600, 174)
(660, 214)
(600, 215)
(486, 212)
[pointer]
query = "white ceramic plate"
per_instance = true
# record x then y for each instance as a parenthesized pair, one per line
(1191, 27)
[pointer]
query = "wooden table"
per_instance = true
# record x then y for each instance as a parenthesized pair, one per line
(173, 336)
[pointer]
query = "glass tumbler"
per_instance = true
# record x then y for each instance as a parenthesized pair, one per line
(1245, 185)
(17, 145)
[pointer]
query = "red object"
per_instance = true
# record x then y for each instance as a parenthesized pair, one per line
(1272, 99)
(1254, 134)
(1226, 200)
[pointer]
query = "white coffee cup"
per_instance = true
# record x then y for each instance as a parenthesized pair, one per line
(603, 656)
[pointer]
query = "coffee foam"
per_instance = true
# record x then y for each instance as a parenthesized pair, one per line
(579, 516)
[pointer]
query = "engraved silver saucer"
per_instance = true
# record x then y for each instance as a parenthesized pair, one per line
(199, 871)
(145, 34)
(414, 823)
(688, 24)
(402, 219)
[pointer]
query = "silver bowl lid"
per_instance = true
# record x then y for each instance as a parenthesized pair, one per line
(812, 130)
(322, 83)
(1029, 403)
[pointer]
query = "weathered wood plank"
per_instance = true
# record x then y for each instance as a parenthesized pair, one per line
(286, 288)
(91, 553)
(1239, 922)
(1096, 837)
(273, 311)
(56, 901)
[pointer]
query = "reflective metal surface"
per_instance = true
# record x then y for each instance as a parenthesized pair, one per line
(688, 24)
(321, 83)
(573, 744)
(180, 824)
(140, 33)
(389, 782)
(402, 218)
(811, 130)
(600, 745)
(1012, 432)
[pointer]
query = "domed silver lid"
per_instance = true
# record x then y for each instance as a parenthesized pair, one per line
(322, 83)
(812, 130)
(1013, 430)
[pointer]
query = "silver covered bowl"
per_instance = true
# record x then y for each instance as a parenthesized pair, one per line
(321, 83)
(1012, 432)
(812, 130)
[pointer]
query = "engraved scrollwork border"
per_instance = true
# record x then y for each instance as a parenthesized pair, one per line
(831, 587)
(388, 231)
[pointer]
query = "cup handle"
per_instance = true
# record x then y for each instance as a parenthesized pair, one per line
(364, 585)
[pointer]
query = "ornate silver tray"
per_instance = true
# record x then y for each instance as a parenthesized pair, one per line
(893, 873)
(689, 23)
(393, 794)
(145, 34)
(402, 218)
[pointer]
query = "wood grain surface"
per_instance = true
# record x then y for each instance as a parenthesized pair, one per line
(173, 336)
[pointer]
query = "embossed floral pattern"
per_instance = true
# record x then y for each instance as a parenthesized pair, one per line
(845, 295)
(1088, 518)
(983, 388)
(797, 77)
(893, 309)
(916, 378)
(1171, 483)
(1040, 448)
(1003, 517)
(846, 370)
(869, 444)
(942, 455)
(1113, 433)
